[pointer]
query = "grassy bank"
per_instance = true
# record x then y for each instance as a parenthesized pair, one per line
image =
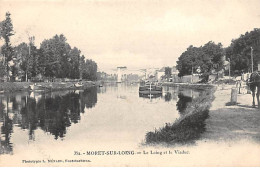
(188, 127)
(55, 86)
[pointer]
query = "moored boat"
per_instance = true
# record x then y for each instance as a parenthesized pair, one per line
(35, 87)
(150, 96)
(78, 85)
(150, 88)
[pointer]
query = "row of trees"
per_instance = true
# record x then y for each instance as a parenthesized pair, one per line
(54, 59)
(239, 52)
(211, 57)
(203, 59)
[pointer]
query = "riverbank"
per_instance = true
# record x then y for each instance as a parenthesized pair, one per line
(54, 86)
(231, 123)
(189, 126)
(212, 118)
(189, 85)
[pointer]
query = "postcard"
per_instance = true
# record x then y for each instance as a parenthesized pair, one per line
(129, 83)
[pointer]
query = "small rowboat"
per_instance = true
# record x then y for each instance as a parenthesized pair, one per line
(35, 87)
(78, 85)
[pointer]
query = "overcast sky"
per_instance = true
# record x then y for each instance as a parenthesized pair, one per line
(136, 34)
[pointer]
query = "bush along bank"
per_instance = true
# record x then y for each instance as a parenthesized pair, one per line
(189, 127)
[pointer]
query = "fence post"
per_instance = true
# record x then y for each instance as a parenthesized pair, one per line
(233, 95)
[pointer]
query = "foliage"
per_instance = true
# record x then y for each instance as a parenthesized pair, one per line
(89, 70)
(189, 127)
(54, 53)
(59, 60)
(2, 69)
(208, 58)
(6, 31)
(168, 72)
(239, 52)
(54, 59)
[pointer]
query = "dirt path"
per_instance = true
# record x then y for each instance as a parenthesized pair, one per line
(231, 123)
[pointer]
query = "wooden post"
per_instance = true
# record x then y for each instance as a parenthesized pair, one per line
(233, 95)
(222, 86)
(192, 74)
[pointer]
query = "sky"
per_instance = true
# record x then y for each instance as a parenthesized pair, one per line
(133, 33)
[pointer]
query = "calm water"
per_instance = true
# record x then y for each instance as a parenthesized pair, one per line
(97, 117)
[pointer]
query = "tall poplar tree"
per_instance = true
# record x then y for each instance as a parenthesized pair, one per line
(6, 31)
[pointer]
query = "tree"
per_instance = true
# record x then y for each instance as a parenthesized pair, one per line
(2, 69)
(33, 64)
(56, 57)
(82, 63)
(208, 58)
(168, 72)
(212, 58)
(239, 52)
(190, 60)
(90, 70)
(6, 49)
(74, 62)
(26, 60)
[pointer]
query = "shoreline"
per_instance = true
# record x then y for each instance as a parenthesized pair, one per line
(6, 87)
(189, 126)
(190, 85)
(217, 120)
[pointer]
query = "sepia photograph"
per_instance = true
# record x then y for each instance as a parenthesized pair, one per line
(129, 83)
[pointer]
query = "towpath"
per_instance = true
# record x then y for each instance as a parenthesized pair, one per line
(232, 122)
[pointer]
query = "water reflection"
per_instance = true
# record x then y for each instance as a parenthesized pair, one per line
(51, 112)
(182, 96)
(193, 107)
(5, 131)
(150, 96)
(122, 113)
(168, 97)
(182, 102)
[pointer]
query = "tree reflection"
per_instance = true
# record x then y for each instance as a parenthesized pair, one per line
(168, 97)
(29, 117)
(53, 113)
(90, 97)
(182, 102)
(6, 129)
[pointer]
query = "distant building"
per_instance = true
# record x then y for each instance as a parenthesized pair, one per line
(175, 77)
(132, 78)
(160, 74)
(216, 73)
(225, 63)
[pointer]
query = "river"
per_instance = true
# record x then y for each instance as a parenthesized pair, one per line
(111, 116)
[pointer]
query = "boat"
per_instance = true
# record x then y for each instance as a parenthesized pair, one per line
(78, 84)
(35, 87)
(150, 88)
(150, 96)
(1, 91)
